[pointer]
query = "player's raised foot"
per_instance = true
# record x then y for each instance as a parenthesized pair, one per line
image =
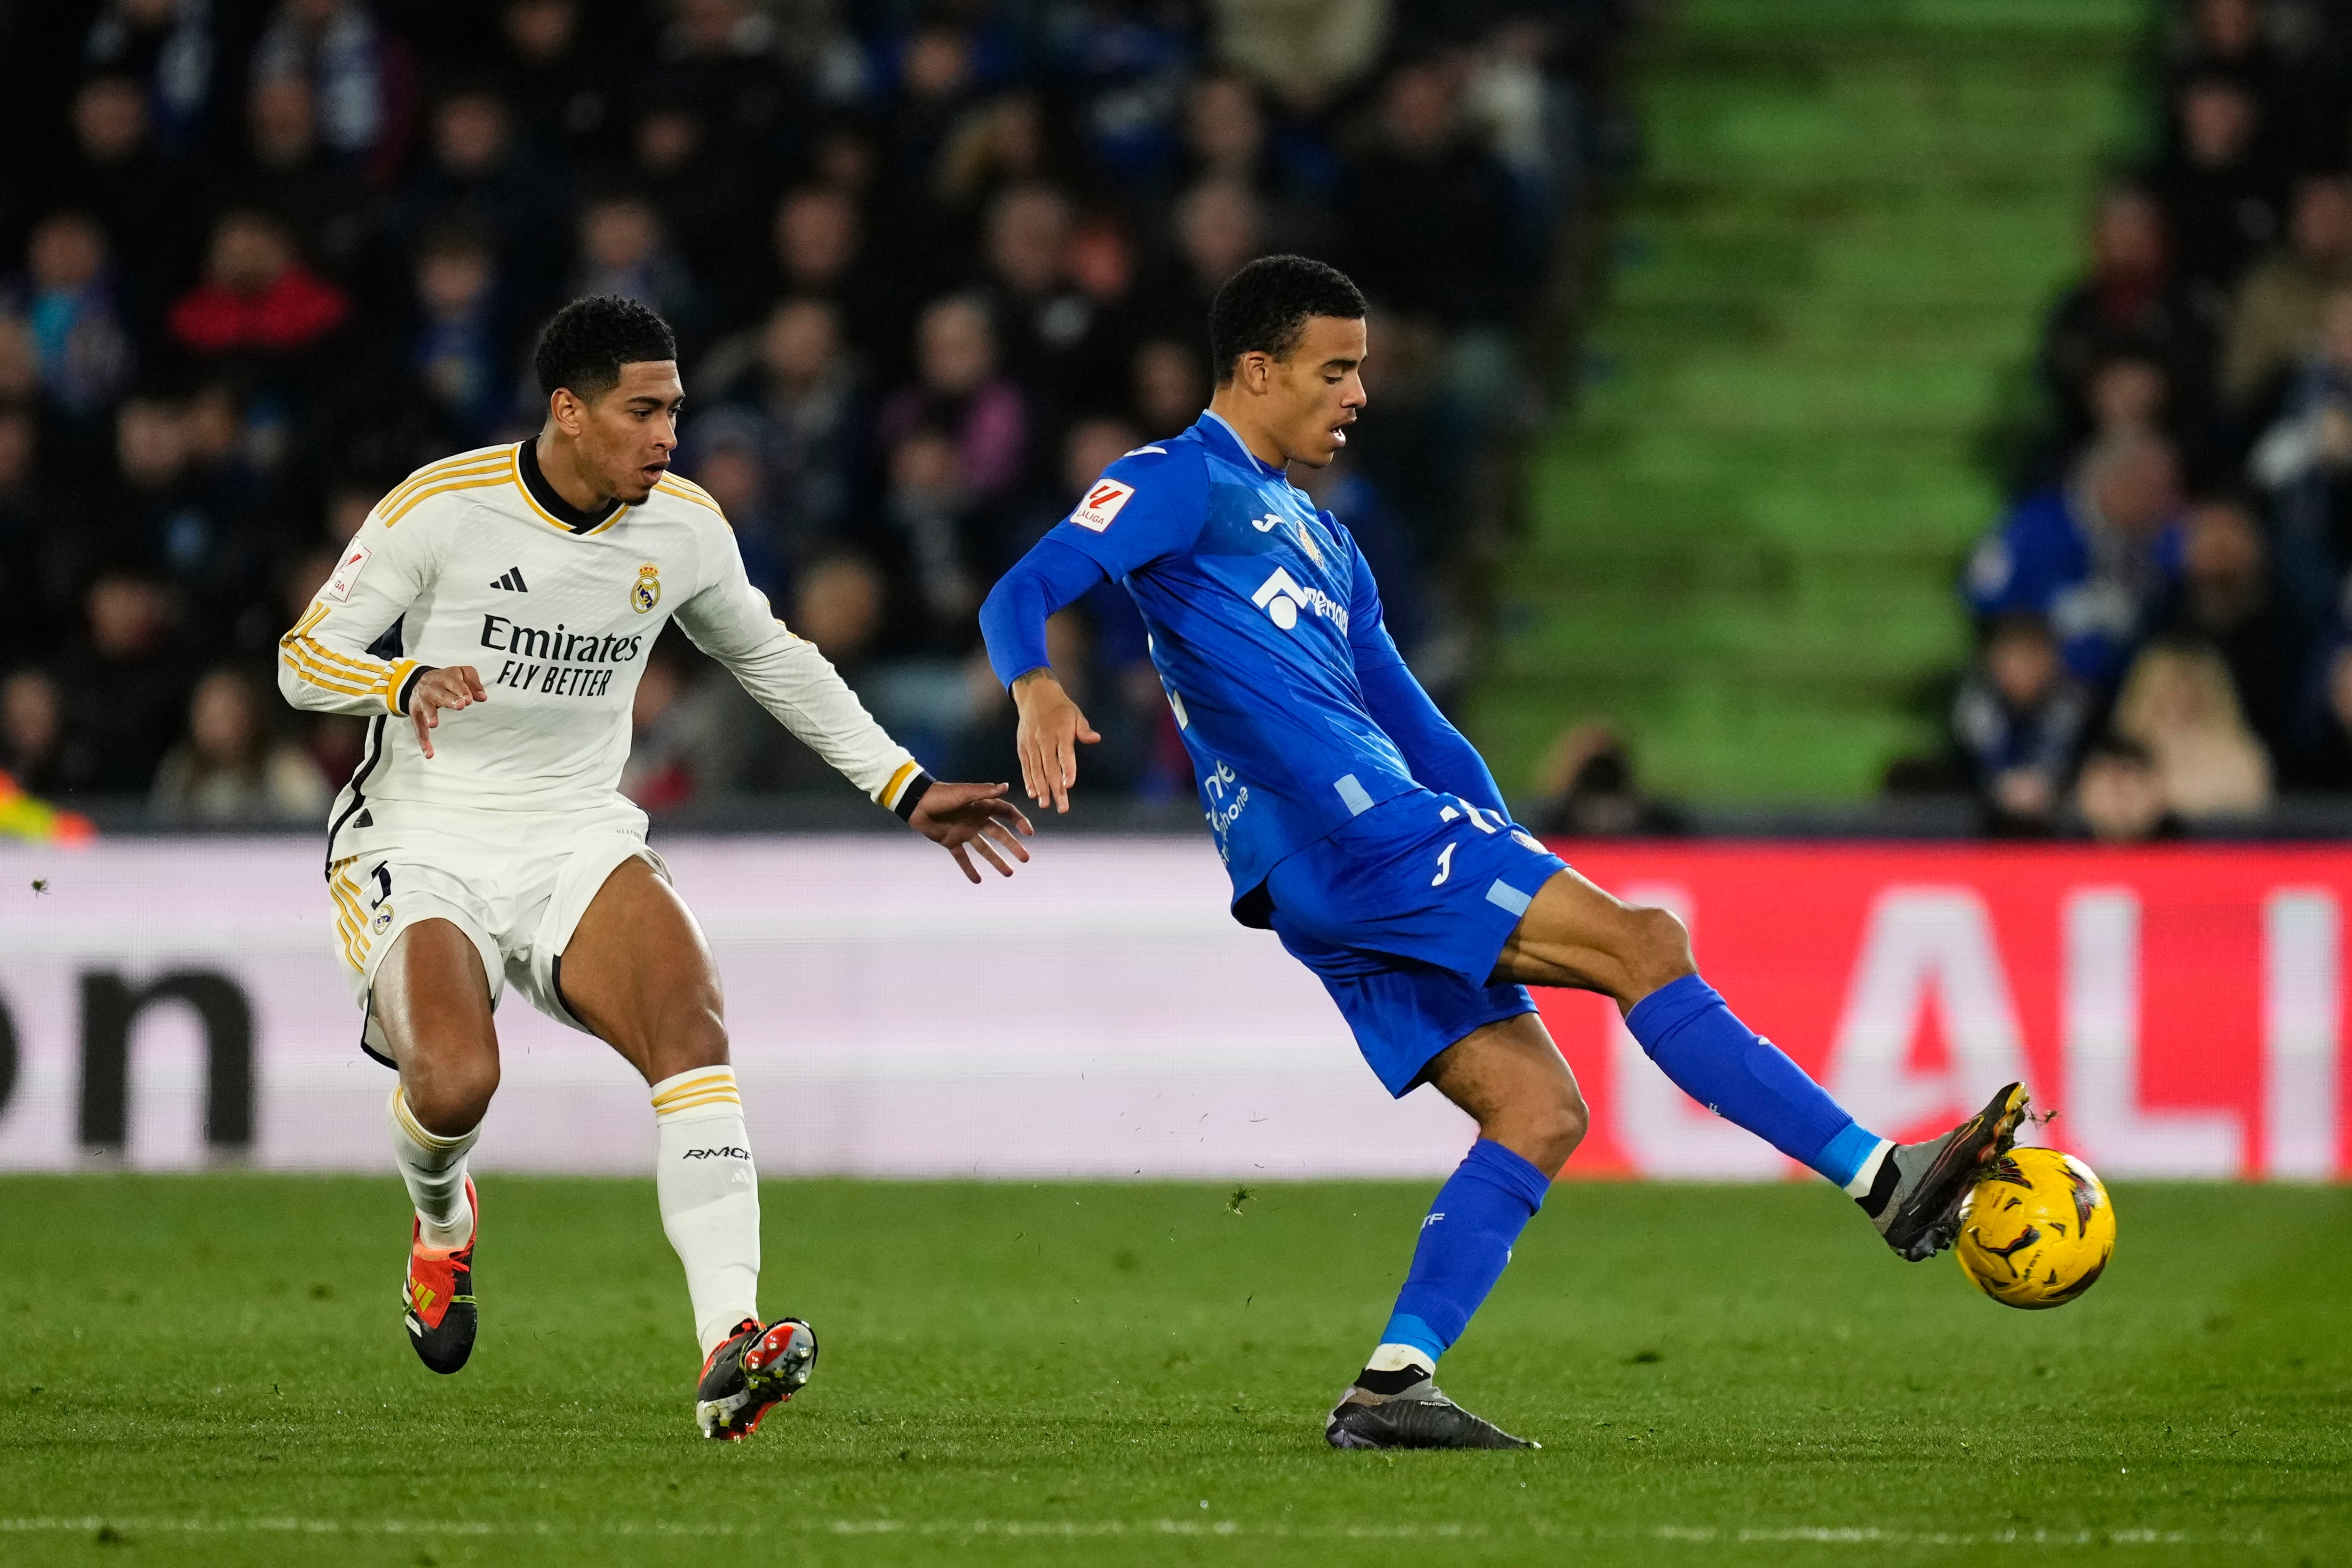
(754, 1370)
(437, 1297)
(1415, 1416)
(1915, 1199)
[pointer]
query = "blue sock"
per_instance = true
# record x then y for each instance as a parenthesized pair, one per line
(1746, 1079)
(1464, 1242)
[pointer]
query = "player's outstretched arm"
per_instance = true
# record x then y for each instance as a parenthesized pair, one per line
(1048, 736)
(729, 620)
(1012, 621)
(962, 817)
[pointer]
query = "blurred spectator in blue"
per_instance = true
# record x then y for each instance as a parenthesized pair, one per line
(67, 298)
(124, 680)
(1429, 215)
(289, 175)
(2220, 196)
(461, 353)
(2092, 557)
(2128, 301)
(2230, 599)
(1125, 67)
(233, 459)
(230, 768)
(960, 391)
(559, 82)
(155, 508)
(361, 78)
(624, 251)
(477, 172)
(113, 173)
(2016, 721)
(2278, 308)
(169, 46)
(33, 732)
(2304, 461)
(801, 395)
(726, 456)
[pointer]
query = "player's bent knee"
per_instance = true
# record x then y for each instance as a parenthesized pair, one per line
(1658, 951)
(449, 1098)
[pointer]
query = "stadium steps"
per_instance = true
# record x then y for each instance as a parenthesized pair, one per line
(1827, 279)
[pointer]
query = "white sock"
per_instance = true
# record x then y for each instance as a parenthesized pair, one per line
(1860, 1186)
(1396, 1358)
(709, 1196)
(434, 1169)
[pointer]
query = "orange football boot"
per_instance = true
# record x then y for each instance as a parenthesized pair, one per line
(436, 1298)
(750, 1372)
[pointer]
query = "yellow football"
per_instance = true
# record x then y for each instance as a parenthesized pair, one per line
(2036, 1229)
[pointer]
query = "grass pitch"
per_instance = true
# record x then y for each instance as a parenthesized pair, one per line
(211, 1370)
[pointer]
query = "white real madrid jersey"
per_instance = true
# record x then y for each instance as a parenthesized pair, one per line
(464, 564)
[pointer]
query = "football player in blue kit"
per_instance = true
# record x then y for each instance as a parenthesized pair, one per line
(1367, 833)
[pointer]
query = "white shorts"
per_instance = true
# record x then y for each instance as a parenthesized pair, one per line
(519, 904)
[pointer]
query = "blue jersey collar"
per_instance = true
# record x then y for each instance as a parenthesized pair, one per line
(1211, 422)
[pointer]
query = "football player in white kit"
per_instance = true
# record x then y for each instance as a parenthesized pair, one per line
(491, 616)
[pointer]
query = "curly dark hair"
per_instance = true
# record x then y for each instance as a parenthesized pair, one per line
(1263, 307)
(584, 347)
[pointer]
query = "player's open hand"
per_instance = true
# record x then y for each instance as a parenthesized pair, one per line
(1048, 736)
(966, 817)
(454, 686)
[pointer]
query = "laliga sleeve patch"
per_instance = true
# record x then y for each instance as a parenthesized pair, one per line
(1102, 504)
(347, 572)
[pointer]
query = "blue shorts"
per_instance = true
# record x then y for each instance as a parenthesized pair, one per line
(1401, 913)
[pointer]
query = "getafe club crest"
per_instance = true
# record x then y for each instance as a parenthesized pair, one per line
(645, 592)
(1306, 542)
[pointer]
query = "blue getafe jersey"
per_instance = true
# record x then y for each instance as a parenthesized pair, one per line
(1255, 603)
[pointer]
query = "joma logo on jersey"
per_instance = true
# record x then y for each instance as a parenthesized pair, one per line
(1281, 597)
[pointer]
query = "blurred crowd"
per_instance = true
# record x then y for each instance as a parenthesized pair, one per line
(2164, 634)
(932, 264)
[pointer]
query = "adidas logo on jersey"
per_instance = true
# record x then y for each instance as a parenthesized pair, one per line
(512, 582)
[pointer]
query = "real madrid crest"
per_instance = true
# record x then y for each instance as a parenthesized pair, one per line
(645, 592)
(382, 922)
